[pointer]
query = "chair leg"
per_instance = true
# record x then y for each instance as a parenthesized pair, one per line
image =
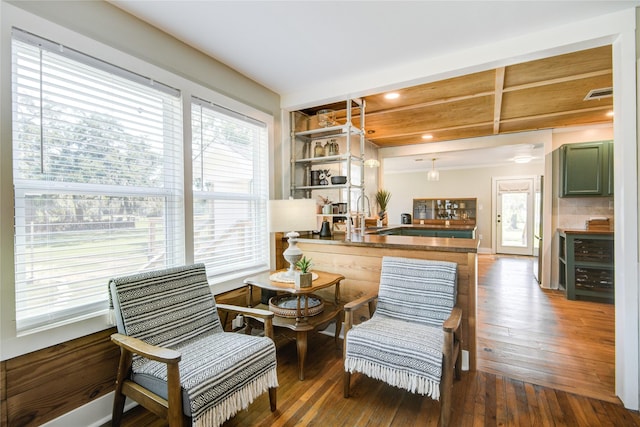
(346, 378)
(336, 336)
(119, 399)
(273, 398)
(118, 409)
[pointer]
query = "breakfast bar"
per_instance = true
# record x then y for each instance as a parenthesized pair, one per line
(359, 260)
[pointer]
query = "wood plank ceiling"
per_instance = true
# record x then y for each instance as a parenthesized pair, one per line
(541, 94)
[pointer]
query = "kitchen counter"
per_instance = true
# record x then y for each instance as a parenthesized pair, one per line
(578, 231)
(465, 227)
(437, 244)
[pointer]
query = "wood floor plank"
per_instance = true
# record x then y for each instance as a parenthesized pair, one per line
(537, 335)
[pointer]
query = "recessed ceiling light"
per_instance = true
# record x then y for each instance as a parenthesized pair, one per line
(522, 159)
(427, 136)
(392, 95)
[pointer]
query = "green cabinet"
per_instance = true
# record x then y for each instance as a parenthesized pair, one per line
(464, 234)
(586, 169)
(586, 265)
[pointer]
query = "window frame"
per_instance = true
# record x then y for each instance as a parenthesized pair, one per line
(259, 198)
(190, 82)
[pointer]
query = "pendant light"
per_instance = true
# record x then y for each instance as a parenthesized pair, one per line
(433, 174)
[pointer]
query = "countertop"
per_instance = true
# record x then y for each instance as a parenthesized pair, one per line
(583, 231)
(439, 244)
(464, 227)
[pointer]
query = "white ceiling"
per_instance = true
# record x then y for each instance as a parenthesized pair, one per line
(296, 48)
(288, 45)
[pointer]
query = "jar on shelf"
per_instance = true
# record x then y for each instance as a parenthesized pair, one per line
(318, 150)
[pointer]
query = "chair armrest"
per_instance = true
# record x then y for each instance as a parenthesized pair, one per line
(247, 311)
(349, 309)
(453, 322)
(256, 313)
(355, 304)
(153, 352)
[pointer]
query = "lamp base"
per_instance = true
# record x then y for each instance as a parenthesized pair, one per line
(292, 254)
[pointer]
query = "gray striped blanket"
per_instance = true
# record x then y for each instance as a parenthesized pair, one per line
(402, 342)
(220, 372)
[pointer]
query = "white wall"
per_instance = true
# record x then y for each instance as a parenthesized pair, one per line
(458, 183)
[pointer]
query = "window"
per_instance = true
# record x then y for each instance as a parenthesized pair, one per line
(230, 192)
(98, 177)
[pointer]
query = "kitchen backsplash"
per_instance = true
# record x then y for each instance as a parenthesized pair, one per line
(573, 212)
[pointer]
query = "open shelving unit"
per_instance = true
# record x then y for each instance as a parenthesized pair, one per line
(348, 133)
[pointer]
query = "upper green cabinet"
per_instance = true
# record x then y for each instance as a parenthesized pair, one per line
(586, 169)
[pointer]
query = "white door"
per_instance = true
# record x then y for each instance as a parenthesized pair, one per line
(514, 215)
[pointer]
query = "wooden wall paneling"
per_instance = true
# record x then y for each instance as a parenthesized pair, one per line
(45, 384)
(3, 394)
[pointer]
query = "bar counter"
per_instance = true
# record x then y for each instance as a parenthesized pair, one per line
(439, 244)
(359, 260)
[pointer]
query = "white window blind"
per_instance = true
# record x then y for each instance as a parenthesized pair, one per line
(98, 177)
(230, 185)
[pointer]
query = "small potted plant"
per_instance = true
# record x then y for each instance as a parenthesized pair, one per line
(382, 198)
(325, 204)
(303, 277)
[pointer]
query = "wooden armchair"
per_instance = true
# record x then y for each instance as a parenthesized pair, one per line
(175, 358)
(412, 339)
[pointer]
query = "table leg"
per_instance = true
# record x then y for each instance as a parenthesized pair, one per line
(338, 328)
(301, 343)
(250, 296)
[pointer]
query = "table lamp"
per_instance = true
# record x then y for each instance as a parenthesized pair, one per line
(292, 215)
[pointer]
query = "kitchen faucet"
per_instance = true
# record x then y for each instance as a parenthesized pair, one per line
(362, 223)
(368, 204)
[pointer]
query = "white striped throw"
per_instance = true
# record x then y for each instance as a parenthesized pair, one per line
(220, 372)
(402, 343)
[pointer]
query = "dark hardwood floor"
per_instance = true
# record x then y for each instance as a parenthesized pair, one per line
(543, 361)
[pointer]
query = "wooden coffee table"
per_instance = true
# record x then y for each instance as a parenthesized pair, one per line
(301, 324)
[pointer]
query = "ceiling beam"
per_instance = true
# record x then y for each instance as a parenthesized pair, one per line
(497, 100)
(559, 80)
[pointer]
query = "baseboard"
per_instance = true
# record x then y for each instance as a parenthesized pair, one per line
(94, 414)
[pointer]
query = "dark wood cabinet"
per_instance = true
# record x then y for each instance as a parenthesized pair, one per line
(586, 265)
(586, 169)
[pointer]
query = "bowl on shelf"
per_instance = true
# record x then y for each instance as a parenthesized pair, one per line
(338, 179)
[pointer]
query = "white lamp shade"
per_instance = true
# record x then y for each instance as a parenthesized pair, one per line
(292, 215)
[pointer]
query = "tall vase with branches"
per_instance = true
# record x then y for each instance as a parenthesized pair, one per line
(382, 198)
